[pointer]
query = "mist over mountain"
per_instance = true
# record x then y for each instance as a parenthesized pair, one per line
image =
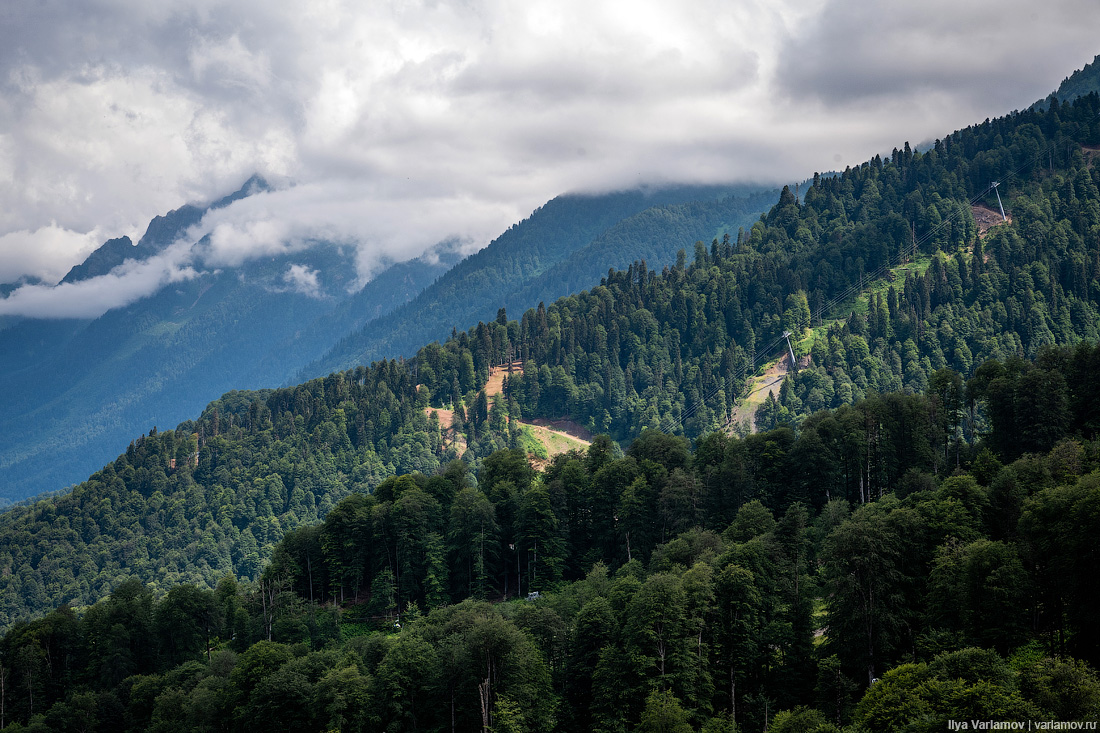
(562, 248)
(75, 388)
(184, 321)
(387, 538)
(833, 468)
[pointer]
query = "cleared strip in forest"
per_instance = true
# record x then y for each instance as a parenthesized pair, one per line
(556, 436)
(769, 381)
(772, 378)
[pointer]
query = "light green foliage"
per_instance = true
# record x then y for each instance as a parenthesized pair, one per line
(967, 685)
(1066, 689)
(663, 714)
(801, 720)
(679, 587)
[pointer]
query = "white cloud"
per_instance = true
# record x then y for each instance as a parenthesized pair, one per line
(1006, 53)
(230, 64)
(304, 280)
(93, 297)
(108, 148)
(44, 252)
(394, 125)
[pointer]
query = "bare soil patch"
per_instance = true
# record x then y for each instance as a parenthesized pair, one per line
(987, 218)
(769, 382)
(568, 427)
(496, 377)
(446, 417)
(557, 436)
(1090, 151)
(446, 421)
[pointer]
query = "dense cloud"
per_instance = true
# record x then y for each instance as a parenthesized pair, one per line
(393, 126)
(993, 56)
(92, 297)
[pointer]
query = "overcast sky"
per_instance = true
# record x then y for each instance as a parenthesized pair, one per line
(394, 124)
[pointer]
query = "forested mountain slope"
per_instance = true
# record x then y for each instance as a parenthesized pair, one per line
(939, 454)
(642, 350)
(696, 589)
(162, 358)
(1084, 81)
(75, 390)
(562, 247)
(653, 235)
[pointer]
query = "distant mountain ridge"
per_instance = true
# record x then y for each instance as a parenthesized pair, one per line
(881, 271)
(563, 247)
(161, 232)
(653, 235)
(78, 389)
(108, 256)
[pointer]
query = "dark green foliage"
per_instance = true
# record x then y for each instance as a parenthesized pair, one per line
(719, 629)
(642, 350)
(213, 497)
(1058, 525)
(920, 501)
(1083, 81)
(564, 246)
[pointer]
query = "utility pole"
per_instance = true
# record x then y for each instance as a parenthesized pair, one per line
(790, 350)
(994, 185)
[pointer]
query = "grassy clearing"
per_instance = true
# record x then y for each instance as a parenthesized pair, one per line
(163, 328)
(818, 332)
(554, 442)
(531, 444)
(820, 619)
(860, 303)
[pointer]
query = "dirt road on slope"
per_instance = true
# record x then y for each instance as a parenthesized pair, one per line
(768, 382)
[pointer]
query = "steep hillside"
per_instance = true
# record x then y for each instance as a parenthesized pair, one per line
(661, 589)
(669, 350)
(907, 541)
(563, 247)
(653, 235)
(1084, 81)
(77, 389)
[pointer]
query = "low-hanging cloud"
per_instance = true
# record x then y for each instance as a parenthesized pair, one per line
(993, 55)
(304, 280)
(379, 228)
(46, 253)
(390, 127)
(90, 298)
(383, 224)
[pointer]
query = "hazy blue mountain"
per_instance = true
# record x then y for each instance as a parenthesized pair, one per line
(654, 235)
(75, 390)
(564, 246)
(395, 285)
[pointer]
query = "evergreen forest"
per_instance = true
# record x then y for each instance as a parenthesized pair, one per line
(901, 537)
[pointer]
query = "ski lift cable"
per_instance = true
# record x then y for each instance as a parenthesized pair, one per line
(895, 258)
(881, 270)
(670, 421)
